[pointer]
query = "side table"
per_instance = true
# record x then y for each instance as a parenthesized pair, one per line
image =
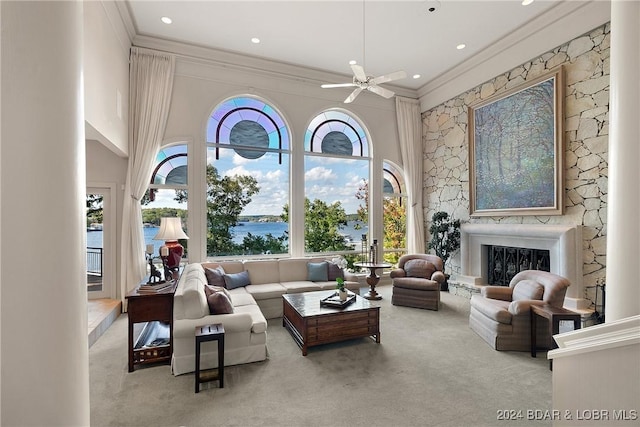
(206, 333)
(372, 278)
(554, 315)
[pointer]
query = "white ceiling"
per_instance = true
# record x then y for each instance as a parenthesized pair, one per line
(325, 35)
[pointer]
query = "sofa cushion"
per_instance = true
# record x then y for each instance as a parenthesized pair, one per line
(266, 291)
(334, 272)
(263, 271)
(318, 271)
(292, 269)
(527, 289)
(227, 266)
(215, 276)
(419, 268)
(299, 286)
(236, 280)
(240, 299)
(192, 300)
(258, 321)
(219, 303)
(418, 283)
(494, 309)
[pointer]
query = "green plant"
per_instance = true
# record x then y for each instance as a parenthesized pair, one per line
(340, 284)
(445, 235)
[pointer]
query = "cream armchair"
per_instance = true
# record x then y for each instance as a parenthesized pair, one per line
(416, 281)
(501, 315)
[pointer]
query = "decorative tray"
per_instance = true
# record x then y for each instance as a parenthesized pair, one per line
(334, 300)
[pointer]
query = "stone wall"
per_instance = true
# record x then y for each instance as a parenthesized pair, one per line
(586, 125)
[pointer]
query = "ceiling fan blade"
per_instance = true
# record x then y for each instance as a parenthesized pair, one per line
(358, 71)
(353, 95)
(327, 86)
(381, 91)
(389, 77)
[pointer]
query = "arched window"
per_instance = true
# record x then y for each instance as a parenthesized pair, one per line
(171, 167)
(336, 177)
(394, 214)
(167, 195)
(247, 179)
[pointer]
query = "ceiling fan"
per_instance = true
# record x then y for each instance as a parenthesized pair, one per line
(360, 79)
(363, 82)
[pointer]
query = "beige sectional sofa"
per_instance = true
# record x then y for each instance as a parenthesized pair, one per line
(246, 327)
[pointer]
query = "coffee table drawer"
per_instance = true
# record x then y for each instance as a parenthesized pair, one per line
(340, 318)
(340, 327)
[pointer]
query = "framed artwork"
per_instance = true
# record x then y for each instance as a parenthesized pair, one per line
(516, 150)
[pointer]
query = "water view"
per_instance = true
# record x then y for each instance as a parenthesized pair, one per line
(256, 228)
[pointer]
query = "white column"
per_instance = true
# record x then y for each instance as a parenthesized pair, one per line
(623, 223)
(45, 366)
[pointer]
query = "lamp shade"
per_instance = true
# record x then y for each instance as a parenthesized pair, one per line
(170, 230)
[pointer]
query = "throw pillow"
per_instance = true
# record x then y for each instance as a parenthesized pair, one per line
(527, 289)
(208, 290)
(215, 276)
(236, 280)
(419, 268)
(317, 271)
(219, 303)
(335, 272)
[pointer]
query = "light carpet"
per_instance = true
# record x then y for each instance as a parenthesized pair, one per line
(430, 369)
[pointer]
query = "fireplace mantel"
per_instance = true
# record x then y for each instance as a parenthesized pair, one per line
(563, 242)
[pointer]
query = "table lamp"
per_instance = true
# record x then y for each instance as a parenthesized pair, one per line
(171, 252)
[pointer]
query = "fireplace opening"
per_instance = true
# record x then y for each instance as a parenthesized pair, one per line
(505, 262)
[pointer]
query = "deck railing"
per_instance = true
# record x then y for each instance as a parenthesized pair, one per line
(94, 261)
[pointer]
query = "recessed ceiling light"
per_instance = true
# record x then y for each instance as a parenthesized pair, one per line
(416, 76)
(461, 46)
(526, 2)
(166, 20)
(353, 62)
(255, 40)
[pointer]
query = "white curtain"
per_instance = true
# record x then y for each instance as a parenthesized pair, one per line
(410, 136)
(150, 86)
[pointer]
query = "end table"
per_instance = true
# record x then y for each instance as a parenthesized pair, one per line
(206, 333)
(554, 315)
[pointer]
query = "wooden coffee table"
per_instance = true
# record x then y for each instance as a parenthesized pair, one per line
(311, 325)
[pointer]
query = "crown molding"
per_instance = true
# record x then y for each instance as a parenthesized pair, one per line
(126, 18)
(554, 27)
(254, 64)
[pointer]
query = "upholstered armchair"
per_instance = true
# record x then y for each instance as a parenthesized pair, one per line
(416, 281)
(501, 315)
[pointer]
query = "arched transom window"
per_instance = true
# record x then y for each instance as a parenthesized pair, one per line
(336, 176)
(394, 215)
(247, 179)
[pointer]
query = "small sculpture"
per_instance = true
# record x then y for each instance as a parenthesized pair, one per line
(154, 276)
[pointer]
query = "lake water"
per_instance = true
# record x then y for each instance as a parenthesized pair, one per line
(94, 238)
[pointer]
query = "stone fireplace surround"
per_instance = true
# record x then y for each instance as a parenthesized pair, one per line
(563, 242)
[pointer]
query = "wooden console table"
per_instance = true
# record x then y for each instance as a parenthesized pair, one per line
(151, 308)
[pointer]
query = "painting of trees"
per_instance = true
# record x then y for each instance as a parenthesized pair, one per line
(515, 150)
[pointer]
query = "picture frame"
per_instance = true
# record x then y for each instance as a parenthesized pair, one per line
(516, 150)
